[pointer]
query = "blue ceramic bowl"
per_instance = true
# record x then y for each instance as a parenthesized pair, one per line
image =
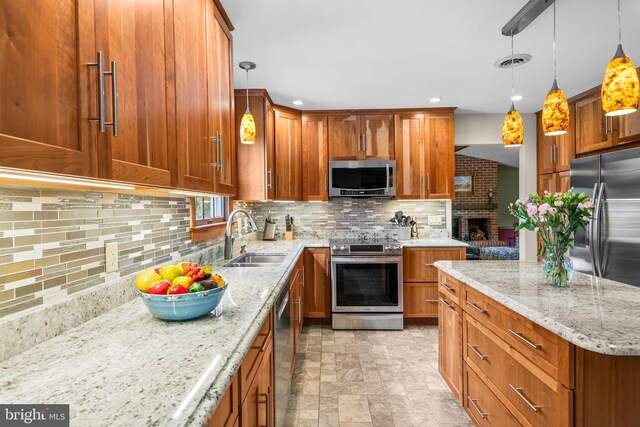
(183, 306)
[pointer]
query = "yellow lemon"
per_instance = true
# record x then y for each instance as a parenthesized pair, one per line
(146, 279)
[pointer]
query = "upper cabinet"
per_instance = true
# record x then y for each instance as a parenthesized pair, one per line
(132, 91)
(424, 151)
(628, 128)
(315, 161)
(288, 155)
(361, 137)
(556, 152)
(46, 92)
(256, 182)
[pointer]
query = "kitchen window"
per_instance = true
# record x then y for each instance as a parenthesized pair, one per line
(208, 216)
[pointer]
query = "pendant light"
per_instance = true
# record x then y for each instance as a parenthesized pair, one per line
(555, 112)
(247, 125)
(512, 127)
(620, 87)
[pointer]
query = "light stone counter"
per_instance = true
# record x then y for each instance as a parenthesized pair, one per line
(596, 314)
(128, 368)
(425, 243)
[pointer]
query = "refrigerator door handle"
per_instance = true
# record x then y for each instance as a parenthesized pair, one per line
(596, 226)
(590, 237)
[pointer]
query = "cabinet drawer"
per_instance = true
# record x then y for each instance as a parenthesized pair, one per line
(420, 300)
(451, 287)
(418, 262)
(544, 348)
(254, 356)
(484, 408)
(534, 397)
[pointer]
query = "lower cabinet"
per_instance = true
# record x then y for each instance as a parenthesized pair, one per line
(450, 344)
(226, 414)
(317, 283)
(484, 408)
(258, 405)
(420, 300)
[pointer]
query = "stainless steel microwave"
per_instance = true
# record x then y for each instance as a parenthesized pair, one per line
(362, 178)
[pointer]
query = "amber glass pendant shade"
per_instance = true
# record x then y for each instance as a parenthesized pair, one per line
(620, 86)
(555, 113)
(512, 129)
(247, 129)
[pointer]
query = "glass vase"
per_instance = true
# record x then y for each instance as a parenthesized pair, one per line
(558, 268)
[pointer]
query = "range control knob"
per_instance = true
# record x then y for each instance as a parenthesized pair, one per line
(342, 248)
(335, 248)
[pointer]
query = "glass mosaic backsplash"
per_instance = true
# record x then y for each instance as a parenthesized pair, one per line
(52, 240)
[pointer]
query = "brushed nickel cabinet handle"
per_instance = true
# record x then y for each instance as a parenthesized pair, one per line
(219, 145)
(326, 268)
(472, 402)
(270, 175)
(114, 97)
(359, 142)
(521, 337)
(518, 391)
(421, 184)
(364, 142)
(475, 307)
(99, 64)
(445, 303)
(444, 285)
(475, 350)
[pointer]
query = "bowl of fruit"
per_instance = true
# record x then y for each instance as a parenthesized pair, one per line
(180, 292)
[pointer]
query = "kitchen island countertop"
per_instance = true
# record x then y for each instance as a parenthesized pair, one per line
(596, 314)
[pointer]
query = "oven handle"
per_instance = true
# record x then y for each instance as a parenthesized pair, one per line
(366, 260)
(386, 190)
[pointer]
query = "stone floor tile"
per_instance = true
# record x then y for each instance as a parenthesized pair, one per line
(353, 408)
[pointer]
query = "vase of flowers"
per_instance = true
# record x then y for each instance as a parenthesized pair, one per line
(555, 217)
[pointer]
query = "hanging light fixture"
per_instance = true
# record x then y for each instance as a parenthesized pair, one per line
(247, 125)
(620, 87)
(512, 127)
(555, 112)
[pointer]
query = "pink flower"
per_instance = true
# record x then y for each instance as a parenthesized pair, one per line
(588, 204)
(532, 209)
(585, 218)
(543, 208)
(580, 205)
(552, 211)
(558, 203)
(518, 202)
(536, 229)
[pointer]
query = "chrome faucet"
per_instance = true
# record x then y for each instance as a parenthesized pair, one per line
(228, 238)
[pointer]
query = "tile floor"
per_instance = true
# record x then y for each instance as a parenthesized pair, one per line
(371, 379)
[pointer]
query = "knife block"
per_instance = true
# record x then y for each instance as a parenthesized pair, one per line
(288, 235)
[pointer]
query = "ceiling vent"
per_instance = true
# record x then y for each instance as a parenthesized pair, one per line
(518, 59)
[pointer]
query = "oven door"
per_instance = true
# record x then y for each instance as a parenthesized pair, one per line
(366, 284)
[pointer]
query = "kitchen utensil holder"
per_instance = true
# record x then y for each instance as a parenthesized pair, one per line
(404, 233)
(269, 231)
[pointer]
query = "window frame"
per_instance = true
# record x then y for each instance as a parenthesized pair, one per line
(202, 229)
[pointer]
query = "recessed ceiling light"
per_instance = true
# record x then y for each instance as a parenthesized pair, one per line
(517, 97)
(435, 100)
(298, 102)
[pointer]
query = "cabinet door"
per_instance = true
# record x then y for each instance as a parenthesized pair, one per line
(628, 128)
(266, 407)
(315, 161)
(195, 143)
(270, 139)
(566, 145)
(378, 137)
(226, 413)
(547, 182)
(317, 286)
(46, 92)
(344, 138)
(132, 33)
(440, 156)
(563, 181)
(288, 156)
(546, 148)
(420, 300)
(220, 95)
(593, 128)
(410, 182)
(450, 344)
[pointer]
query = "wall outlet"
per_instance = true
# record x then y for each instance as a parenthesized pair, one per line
(434, 220)
(111, 251)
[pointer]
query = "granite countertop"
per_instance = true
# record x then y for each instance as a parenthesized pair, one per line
(596, 314)
(429, 242)
(126, 367)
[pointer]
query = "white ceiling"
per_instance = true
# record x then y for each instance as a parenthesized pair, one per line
(336, 54)
(496, 153)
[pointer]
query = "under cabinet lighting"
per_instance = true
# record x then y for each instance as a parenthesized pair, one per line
(190, 193)
(55, 179)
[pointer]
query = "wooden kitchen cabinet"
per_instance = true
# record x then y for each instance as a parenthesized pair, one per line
(45, 87)
(296, 296)
(256, 180)
(288, 155)
(315, 158)
(137, 37)
(556, 152)
(439, 142)
(258, 406)
(450, 344)
(361, 137)
(317, 283)
(554, 182)
(628, 128)
(409, 140)
(226, 413)
(420, 300)
(594, 130)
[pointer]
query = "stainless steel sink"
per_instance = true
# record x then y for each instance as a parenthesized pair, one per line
(256, 260)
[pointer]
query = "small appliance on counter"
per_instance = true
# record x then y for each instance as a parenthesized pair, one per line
(269, 228)
(288, 233)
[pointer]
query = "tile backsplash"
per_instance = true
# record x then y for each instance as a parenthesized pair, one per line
(52, 240)
(343, 217)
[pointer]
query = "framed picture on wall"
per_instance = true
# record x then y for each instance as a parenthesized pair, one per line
(465, 183)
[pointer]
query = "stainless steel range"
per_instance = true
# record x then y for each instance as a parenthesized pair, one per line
(366, 284)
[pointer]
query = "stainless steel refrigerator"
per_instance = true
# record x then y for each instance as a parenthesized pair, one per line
(610, 246)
